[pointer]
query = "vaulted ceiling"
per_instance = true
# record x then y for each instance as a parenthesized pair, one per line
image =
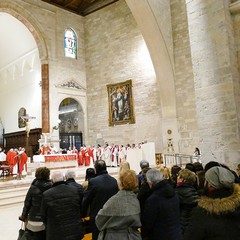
(81, 7)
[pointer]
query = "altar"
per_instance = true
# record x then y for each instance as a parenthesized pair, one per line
(56, 160)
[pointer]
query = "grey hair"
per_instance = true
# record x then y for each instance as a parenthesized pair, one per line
(143, 164)
(57, 177)
(70, 174)
(154, 176)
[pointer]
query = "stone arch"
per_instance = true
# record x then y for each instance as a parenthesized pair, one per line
(160, 47)
(74, 98)
(144, 14)
(26, 18)
(72, 124)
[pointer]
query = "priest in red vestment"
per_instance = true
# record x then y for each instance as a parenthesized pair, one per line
(11, 159)
(81, 156)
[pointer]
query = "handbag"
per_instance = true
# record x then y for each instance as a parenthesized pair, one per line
(22, 233)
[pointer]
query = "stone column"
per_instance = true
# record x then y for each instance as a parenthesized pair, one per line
(45, 99)
(215, 77)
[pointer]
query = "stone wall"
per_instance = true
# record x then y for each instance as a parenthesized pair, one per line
(214, 65)
(184, 82)
(116, 52)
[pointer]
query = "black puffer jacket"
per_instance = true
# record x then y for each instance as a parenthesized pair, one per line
(73, 183)
(32, 203)
(187, 200)
(216, 217)
(160, 217)
(61, 212)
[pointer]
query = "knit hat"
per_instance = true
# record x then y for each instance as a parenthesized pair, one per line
(220, 177)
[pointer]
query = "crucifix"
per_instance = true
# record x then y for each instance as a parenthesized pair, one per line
(27, 119)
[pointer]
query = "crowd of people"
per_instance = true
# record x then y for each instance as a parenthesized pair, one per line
(112, 154)
(156, 204)
(16, 159)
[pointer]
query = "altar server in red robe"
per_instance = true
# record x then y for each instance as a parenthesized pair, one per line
(81, 156)
(11, 159)
(22, 160)
(88, 156)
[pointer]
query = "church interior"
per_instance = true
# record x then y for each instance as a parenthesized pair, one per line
(181, 58)
(80, 72)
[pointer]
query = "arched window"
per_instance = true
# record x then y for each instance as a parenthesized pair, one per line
(70, 43)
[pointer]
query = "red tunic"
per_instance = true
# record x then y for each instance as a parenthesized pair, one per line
(87, 157)
(81, 157)
(22, 161)
(11, 159)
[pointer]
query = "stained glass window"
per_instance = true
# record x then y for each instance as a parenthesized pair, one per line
(70, 43)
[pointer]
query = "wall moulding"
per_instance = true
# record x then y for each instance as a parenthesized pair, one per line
(234, 7)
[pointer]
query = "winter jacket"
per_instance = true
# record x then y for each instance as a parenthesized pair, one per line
(73, 183)
(61, 208)
(33, 200)
(216, 217)
(120, 217)
(100, 189)
(161, 215)
(187, 201)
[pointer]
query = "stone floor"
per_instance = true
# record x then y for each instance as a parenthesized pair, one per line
(9, 223)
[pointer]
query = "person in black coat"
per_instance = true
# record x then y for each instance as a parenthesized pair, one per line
(70, 180)
(144, 191)
(100, 189)
(32, 204)
(187, 195)
(161, 215)
(61, 211)
(218, 212)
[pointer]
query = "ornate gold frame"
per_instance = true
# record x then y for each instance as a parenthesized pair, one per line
(120, 103)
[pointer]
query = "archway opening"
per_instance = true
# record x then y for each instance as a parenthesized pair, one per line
(71, 124)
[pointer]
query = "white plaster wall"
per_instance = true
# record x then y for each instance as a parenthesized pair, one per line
(47, 24)
(22, 91)
(20, 74)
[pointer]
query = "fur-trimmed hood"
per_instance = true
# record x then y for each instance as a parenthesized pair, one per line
(224, 205)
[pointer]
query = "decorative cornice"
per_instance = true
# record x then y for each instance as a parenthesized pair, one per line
(234, 7)
(71, 84)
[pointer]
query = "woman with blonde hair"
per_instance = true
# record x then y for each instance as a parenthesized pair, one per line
(124, 166)
(120, 216)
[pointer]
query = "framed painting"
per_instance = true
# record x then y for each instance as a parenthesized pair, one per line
(120, 103)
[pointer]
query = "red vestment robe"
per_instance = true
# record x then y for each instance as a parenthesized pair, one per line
(11, 159)
(81, 157)
(22, 161)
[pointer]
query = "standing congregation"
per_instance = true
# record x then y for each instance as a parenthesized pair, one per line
(151, 205)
